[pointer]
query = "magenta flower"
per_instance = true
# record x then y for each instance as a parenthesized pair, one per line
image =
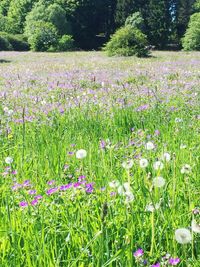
(26, 183)
(34, 202)
(89, 188)
(65, 187)
(138, 253)
(77, 184)
(51, 182)
(174, 261)
(23, 204)
(38, 197)
(156, 265)
(32, 192)
(51, 191)
(102, 144)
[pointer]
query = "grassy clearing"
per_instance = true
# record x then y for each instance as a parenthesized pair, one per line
(137, 119)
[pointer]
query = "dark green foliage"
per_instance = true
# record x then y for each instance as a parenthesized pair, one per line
(184, 9)
(66, 43)
(127, 41)
(191, 40)
(135, 20)
(3, 22)
(16, 42)
(4, 44)
(16, 15)
(91, 22)
(159, 23)
(41, 35)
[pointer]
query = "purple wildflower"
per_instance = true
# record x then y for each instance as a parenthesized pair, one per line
(23, 204)
(142, 107)
(138, 253)
(174, 261)
(81, 178)
(26, 183)
(89, 188)
(70, 153)
(157, 132)
(66, 167)
(77, 184)
(16, 186)
(156, 265)
(113, 194)
(51, 191)
(34, 202)
(14, 172)
(51, 182)
(32, 192)
(102, 144)
(65, 187)
(38, 197)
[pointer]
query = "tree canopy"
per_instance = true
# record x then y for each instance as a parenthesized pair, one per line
(91, 22)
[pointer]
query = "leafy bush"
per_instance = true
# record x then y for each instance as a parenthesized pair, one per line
(17, 42)
(191, 40)
(4, 44)
(42, 36)
(127, 41)
(66, 43)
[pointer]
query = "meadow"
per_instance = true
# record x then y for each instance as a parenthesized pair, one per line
(99, 160)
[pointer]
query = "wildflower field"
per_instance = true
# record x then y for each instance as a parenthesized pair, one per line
(99, 160)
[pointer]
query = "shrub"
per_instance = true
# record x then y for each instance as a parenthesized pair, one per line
(127, 41)
(18, 41)
(41, 35)
(4, 44)
(66, 43)
(191, 40)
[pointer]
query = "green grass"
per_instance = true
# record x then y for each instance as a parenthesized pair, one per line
(99, 229)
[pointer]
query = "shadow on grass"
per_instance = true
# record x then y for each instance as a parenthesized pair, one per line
(4, 61)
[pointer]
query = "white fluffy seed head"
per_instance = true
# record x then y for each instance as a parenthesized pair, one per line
(127, 164)
(158, 165)
(159, 182)
(143, 163)
(149, 146)
(8, 160)
(166, 157)
(195, 227)
(81, 154)
(183, 236)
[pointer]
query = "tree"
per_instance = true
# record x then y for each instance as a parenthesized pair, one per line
(42, 36)
(49, 12)
(159, 22)
(184, 9)
(191, 40)
(16, 15)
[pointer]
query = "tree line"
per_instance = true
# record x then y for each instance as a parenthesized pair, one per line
(88, 24)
